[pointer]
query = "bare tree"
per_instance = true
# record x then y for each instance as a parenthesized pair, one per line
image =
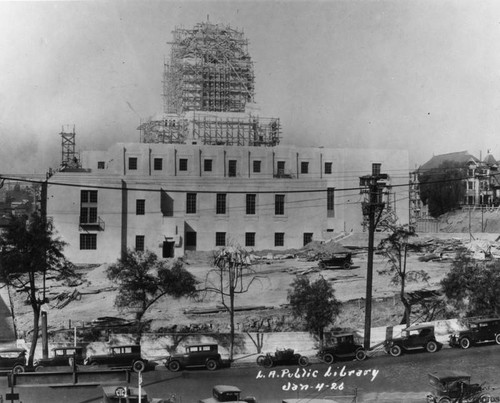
(232, 274)
(395, 249)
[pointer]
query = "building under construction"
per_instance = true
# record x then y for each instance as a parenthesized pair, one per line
(208, 92)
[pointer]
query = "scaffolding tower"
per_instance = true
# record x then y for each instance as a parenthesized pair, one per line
(208, 85)
(69, 158)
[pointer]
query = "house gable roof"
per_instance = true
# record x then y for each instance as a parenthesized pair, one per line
(462, 157)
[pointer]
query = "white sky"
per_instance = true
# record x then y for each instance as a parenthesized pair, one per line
(417, 75)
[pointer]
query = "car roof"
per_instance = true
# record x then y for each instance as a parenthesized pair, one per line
(226, 388)
(449, 375)
(12, 350)
(419, 326)
(343, 334)
(68, 347)
(484, 320)
(200, 345)
(126, 345)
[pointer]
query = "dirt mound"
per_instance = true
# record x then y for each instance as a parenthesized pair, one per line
(485, 220)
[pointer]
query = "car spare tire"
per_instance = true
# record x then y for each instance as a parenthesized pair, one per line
(138, 366)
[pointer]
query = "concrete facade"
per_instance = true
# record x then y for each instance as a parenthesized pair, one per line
(169, 198)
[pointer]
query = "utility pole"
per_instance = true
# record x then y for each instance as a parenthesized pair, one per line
(374, 184)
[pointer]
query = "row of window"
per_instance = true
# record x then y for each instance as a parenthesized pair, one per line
(232, 166)
(89, 241)
(88, 204)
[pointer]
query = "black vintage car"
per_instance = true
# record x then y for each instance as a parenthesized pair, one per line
(61, 356)
(479, 331)
(344, 347)
(199, 355)
(417, 337)
(13, 359)
(127, 356)
(454, 386)
(285, 356)
(227, 393)
(337, 260)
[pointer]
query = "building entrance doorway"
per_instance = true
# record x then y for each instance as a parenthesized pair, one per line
(168, 249)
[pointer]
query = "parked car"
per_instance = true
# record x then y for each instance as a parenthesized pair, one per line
(128, 356)
(417, 337)
(119, 394)
(341, 260)
(61, 356)
(344, 347)
(227, 393)
(199, 355)
(285, 356)
(13, 359)
(454, 386)
(479, 331)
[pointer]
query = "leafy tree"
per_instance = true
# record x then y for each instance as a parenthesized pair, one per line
(395, 249)
(442, 189)
(28, 252)
(232, 275)
(472, 287)
(315, 302)
(143, 279)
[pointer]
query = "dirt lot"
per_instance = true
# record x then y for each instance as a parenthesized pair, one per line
(94, 295)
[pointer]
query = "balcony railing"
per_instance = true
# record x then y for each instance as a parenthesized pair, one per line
(92, 223)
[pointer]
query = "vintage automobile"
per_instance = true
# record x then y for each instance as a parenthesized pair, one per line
(122, 394)
(417, 337)
(285, 356)
(127, 356)
(13, 359)
(227, 393)
(61, 356)
(342, 260)
(454, 386)
(479, 331)
(199, 355)
(344, 347)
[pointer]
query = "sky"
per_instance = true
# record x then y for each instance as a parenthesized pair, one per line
(417, 75)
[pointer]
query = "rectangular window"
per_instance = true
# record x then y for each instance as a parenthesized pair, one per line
(251, 202)
(190, 239)
(249, 238)
(132, 163)
(304, 167)
(88, 206)
(232, 168)
(281, 168)
(328, 167)
(279, 204)
(220, 207)
(183, 164)
(88, 241)
(101, 165)
(140, 207)
(376, 169)
(220, 239)
(279, 239)
(256, 166)
(207, 165)
(308, 237)
(158, 164)
(330, 202)
(139, 243)
(191, 203)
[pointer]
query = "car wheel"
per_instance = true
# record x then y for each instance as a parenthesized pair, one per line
(328, 358)
(395, 351)
(431, 347)
(268, 362)
(138, 366)
(303, 361)
(93, 364)
(465, 343)
(174, 366)
(39, 368)
(346, 265)
(211, 365)
(485, 398)
(322, 266)
(360, 355)
(260, 359)
(18, 369)
(497, 338)
(444, 400)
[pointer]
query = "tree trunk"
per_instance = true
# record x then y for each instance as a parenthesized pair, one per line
(231, 315)
(36, 326)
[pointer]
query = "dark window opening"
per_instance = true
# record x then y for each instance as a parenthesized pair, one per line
(232, 168)
(88, 241)
(251, 203)
(308, 237)
(279, 204)
(220, 207)
(132, 163)
(139, 243)
(330, 202)
(328, 167)
(140, 207)
(256, 166)
(158, 164)
(101, 165)
(183, 164)
(191, 203)
(207, 165)
(249, 238)
(304, 167)
(279, 239)
(220, 239)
